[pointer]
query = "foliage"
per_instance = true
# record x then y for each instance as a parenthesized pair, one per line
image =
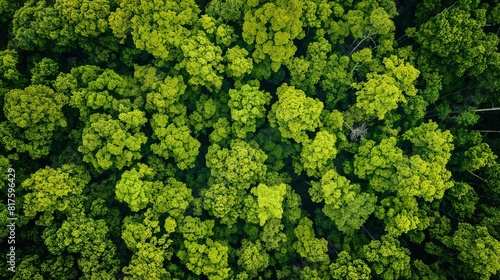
(111, 143)
(54, 189)
(33, 115)
(247, 109)
(271, 29)
(269, 200)
(389, 260)
(294, 113)
(307, 245)
(232, 139)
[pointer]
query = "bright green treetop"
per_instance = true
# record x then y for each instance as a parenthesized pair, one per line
(455, 36)
(87, 18)
(477, 249)
(344, 203)
(317, 154)
(294, 113)
(247, 108)
(271, 28)
(113, 144)
(88, 238)
(387, 258)
(52, 189)
(345, 267)
(8, 67)
(307, 245)
(242, 165)
(158, 27)
(176, 141)
(33, 115)
(194, 229)
(269, 200)
(202, 60)
(133, 189)
(209, 258)
(381, 93)
(171, 196)
(252, 258)
(142, 236)
(223, 202)
(238, 62)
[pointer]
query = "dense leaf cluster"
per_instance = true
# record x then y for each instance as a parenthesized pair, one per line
(256, 139)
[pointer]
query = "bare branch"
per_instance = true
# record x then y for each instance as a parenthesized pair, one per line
(477, 176)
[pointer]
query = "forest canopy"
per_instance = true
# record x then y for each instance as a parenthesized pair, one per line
(258, 139)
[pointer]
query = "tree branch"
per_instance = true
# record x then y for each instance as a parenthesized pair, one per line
(477, 176)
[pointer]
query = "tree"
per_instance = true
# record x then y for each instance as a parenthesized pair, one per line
(378, 162)
(145, 22)
(337, 79)
(381, 93)
(482, 255)
(233, 171)
(175, 141)
(109, 143)
(202, 60)
(271, 29)
(133, 190)
(345, 205)
(226, 10)
(422, 271)
(138, 188)
(33, 115)
(252, 258)
(307, 245)
(37, 26)
(172, 197)
(242, 165)
(209, 258)
(387, 258)
(86, 18)
(430, 142)
(477, 157)
(95, 90)
(50, 189)
(353, 215)
(272, 234)
(205, 115)
(88, 237)
(345, 267)
(147, 262)
(44, 72)
(222, 130)
(423, 174)
(307, 72)
(149, 243)
(194, 229)
(452, 32)
(237, 62)
(33, 267)
(247, 106)
(294, 113)
(223, 202)
(378, 95)
(163, 90)
(8, 67)
(269, 201)
(463, 199)
(29, 268)
(401, 214)
(317, 154)
(60, 25)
